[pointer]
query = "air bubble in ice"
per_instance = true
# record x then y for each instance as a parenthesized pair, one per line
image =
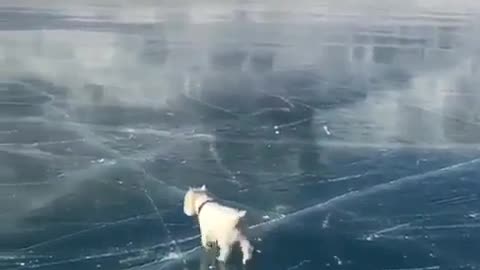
(371, 236)
(473, 215)
(325, 128)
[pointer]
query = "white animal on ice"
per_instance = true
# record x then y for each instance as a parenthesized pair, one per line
(218, 223)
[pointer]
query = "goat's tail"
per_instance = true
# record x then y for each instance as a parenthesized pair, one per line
(242, 213)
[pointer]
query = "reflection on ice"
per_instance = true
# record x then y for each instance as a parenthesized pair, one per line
(359, 125)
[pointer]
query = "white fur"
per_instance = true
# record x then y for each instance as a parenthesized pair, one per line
(218, 223)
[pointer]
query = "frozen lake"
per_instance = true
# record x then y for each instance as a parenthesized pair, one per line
(350, 132)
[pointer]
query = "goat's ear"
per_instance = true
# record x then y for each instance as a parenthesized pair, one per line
(203, 187)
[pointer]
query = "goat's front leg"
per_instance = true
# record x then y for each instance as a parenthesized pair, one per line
(225, 249)
(204, 240)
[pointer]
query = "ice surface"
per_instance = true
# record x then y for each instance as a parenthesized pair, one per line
(349, 131)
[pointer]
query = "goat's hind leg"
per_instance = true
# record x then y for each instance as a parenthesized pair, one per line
(247, 249)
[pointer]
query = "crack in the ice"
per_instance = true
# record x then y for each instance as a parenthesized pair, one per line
(298, 265)
(284, 99)
(33, 151)
(393, 228)
(294, 123)
(268, 110)
(70, 235)
(16, 103)
(43, 143)
(460, 199)
(102, 255)
(381, 232)
(231, 176)
(370, 190)
(436, 227)
(344, 178)
(211, 106)
(435, 267)
(27, 184)
(165, 227)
